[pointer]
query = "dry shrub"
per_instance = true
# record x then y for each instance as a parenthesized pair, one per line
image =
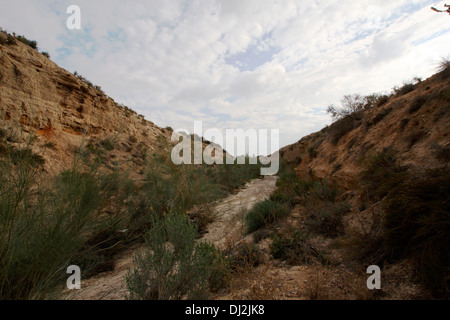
(417, 225)
(417, 104)
(293, 247)
(342, 127)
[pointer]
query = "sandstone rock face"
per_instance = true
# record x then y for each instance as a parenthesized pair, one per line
(415, 125)
(66, 112)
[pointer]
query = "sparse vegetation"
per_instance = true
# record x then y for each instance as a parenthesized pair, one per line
(341, 127)
(417, 104)
(382, 173)
(407, 87)
(10, 39)
(444, 67)
(293, 247)
(381, 115)
(417, 225)
(353, 105)
(244, 256)
(265, 213)
(174, 266)
(326, 218)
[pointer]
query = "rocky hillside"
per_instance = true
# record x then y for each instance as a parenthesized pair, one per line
(415, 122)
(389, 157)
(67, 111)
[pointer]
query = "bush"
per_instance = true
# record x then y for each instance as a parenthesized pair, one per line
(444, 68)
(312, 152)
(46, 54)
(174, 266)
(294, 248)
(407, 87)
(30, 43)
(49, 223)
(25, 155)
(326, 218)
(417, 225)
(264, 213)
(381, 174)
(132, 139)
(244, 257)
(351, 106)
(342, 127)
(323, 191)
(417, 104)
(42, 229)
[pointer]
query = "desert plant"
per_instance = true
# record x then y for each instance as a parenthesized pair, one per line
(417, 104)
(381, 115)
(381, 173)
(294, 248)
(351, 105)
(326, 218)
(265, 213)
(244, 257)
(407, 87)
(417, 225)
(174, 266)
(342, 127)
(30, 43)
(444, 67)
(49, 223)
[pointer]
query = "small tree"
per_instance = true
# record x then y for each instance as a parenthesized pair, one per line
(351, 105)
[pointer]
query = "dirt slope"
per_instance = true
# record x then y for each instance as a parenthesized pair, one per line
(416, 125)
(65, 111)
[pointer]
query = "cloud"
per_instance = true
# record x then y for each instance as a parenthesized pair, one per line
(238, 63)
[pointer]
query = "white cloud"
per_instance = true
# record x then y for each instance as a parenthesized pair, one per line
(180, 61)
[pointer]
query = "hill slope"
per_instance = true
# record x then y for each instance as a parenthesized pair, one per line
(415, 124)
(65, 111)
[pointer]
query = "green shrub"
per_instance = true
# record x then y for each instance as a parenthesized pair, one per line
(41, 230)
(174, 266)
(264, 213)
(25, 155)
(49, 223)
(288, 186)
(323, 190)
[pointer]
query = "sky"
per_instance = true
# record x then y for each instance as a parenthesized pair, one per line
(238, 64)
